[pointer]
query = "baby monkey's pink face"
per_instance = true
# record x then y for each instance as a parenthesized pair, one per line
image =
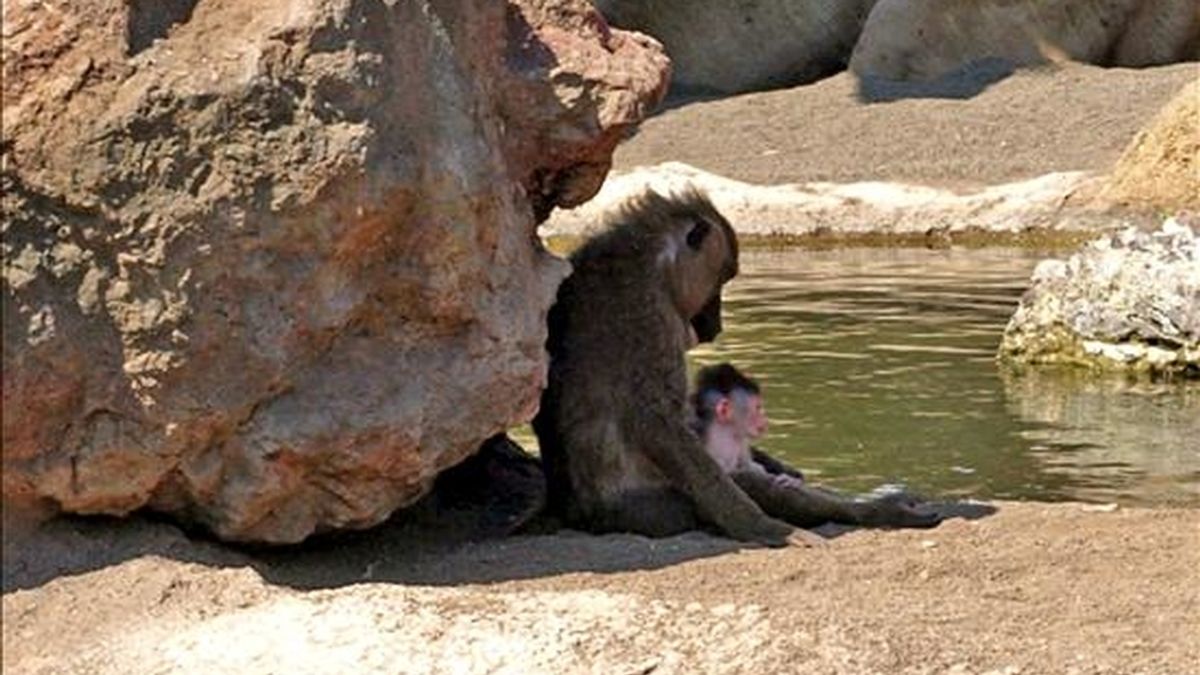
(745, 412)
(753, 415)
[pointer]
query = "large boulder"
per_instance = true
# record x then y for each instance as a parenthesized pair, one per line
(270, 267)
(725, 47)
(1129, 301)
(922, 40)
(1161, 167)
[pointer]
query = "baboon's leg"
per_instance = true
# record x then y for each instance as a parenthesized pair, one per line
(678, 454)
(810, 506)
(654, 513)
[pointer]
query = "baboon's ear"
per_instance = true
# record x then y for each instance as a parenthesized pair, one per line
(696, 235)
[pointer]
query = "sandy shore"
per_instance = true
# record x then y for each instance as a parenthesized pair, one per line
(1031, 588)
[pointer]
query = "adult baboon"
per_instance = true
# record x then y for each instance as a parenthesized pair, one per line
(612, 427)
(730, 414)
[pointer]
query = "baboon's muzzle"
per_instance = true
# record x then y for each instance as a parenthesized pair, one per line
(707, 323)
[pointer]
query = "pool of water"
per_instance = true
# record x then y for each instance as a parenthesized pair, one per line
(878, 365)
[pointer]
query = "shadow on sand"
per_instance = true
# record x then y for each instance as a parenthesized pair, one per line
(425, 545)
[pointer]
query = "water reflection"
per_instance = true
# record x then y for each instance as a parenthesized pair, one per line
(1115, 436)
(878, 365)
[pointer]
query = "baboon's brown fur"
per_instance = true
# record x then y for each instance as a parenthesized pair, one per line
(618, 452)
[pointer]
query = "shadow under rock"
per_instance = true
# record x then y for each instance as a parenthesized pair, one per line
(71, 545)
(430, 546)
(461, 533)
(427, 545)
(396, 553)
(964, 82)
(481, 523)
(421, 545)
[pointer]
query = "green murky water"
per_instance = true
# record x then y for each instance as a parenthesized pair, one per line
(878, 366)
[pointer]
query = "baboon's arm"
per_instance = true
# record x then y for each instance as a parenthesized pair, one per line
(772, 465)
(678, 454)
(800, 505)
(805, 505)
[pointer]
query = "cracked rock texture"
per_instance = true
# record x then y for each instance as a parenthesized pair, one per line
(270, 267)
(1129, 301)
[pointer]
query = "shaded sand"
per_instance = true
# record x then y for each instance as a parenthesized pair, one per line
(1033, 588)
(1069, 118)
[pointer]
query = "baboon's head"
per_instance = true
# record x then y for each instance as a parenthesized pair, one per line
(679, 243)
(699, 256)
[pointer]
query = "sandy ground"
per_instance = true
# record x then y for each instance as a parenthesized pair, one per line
(1028, 157)
(1070, 118)
(1029, 589)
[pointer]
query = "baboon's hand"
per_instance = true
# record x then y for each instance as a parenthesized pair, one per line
(805, 539)
(903, 510)
(768, 532)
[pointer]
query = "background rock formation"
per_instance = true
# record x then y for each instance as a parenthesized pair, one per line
(868, 208)
(1126, 301)
(917, 41)
(720, 47)
(270, 267)
(1161, 167)
(725, 47)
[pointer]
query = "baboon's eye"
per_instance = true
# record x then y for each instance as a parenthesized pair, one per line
(696, 235)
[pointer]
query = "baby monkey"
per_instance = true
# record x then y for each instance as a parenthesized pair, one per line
(730, 415)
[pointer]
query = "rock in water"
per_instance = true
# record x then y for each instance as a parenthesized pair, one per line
(1128, 301)
(269, 267)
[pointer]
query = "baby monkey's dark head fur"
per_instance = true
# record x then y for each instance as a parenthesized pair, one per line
(681, 237)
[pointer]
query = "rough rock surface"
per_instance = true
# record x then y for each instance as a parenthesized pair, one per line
(270, 267)
(1127, 301)
(1161, 167)
(725, 47)
(921, 41)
